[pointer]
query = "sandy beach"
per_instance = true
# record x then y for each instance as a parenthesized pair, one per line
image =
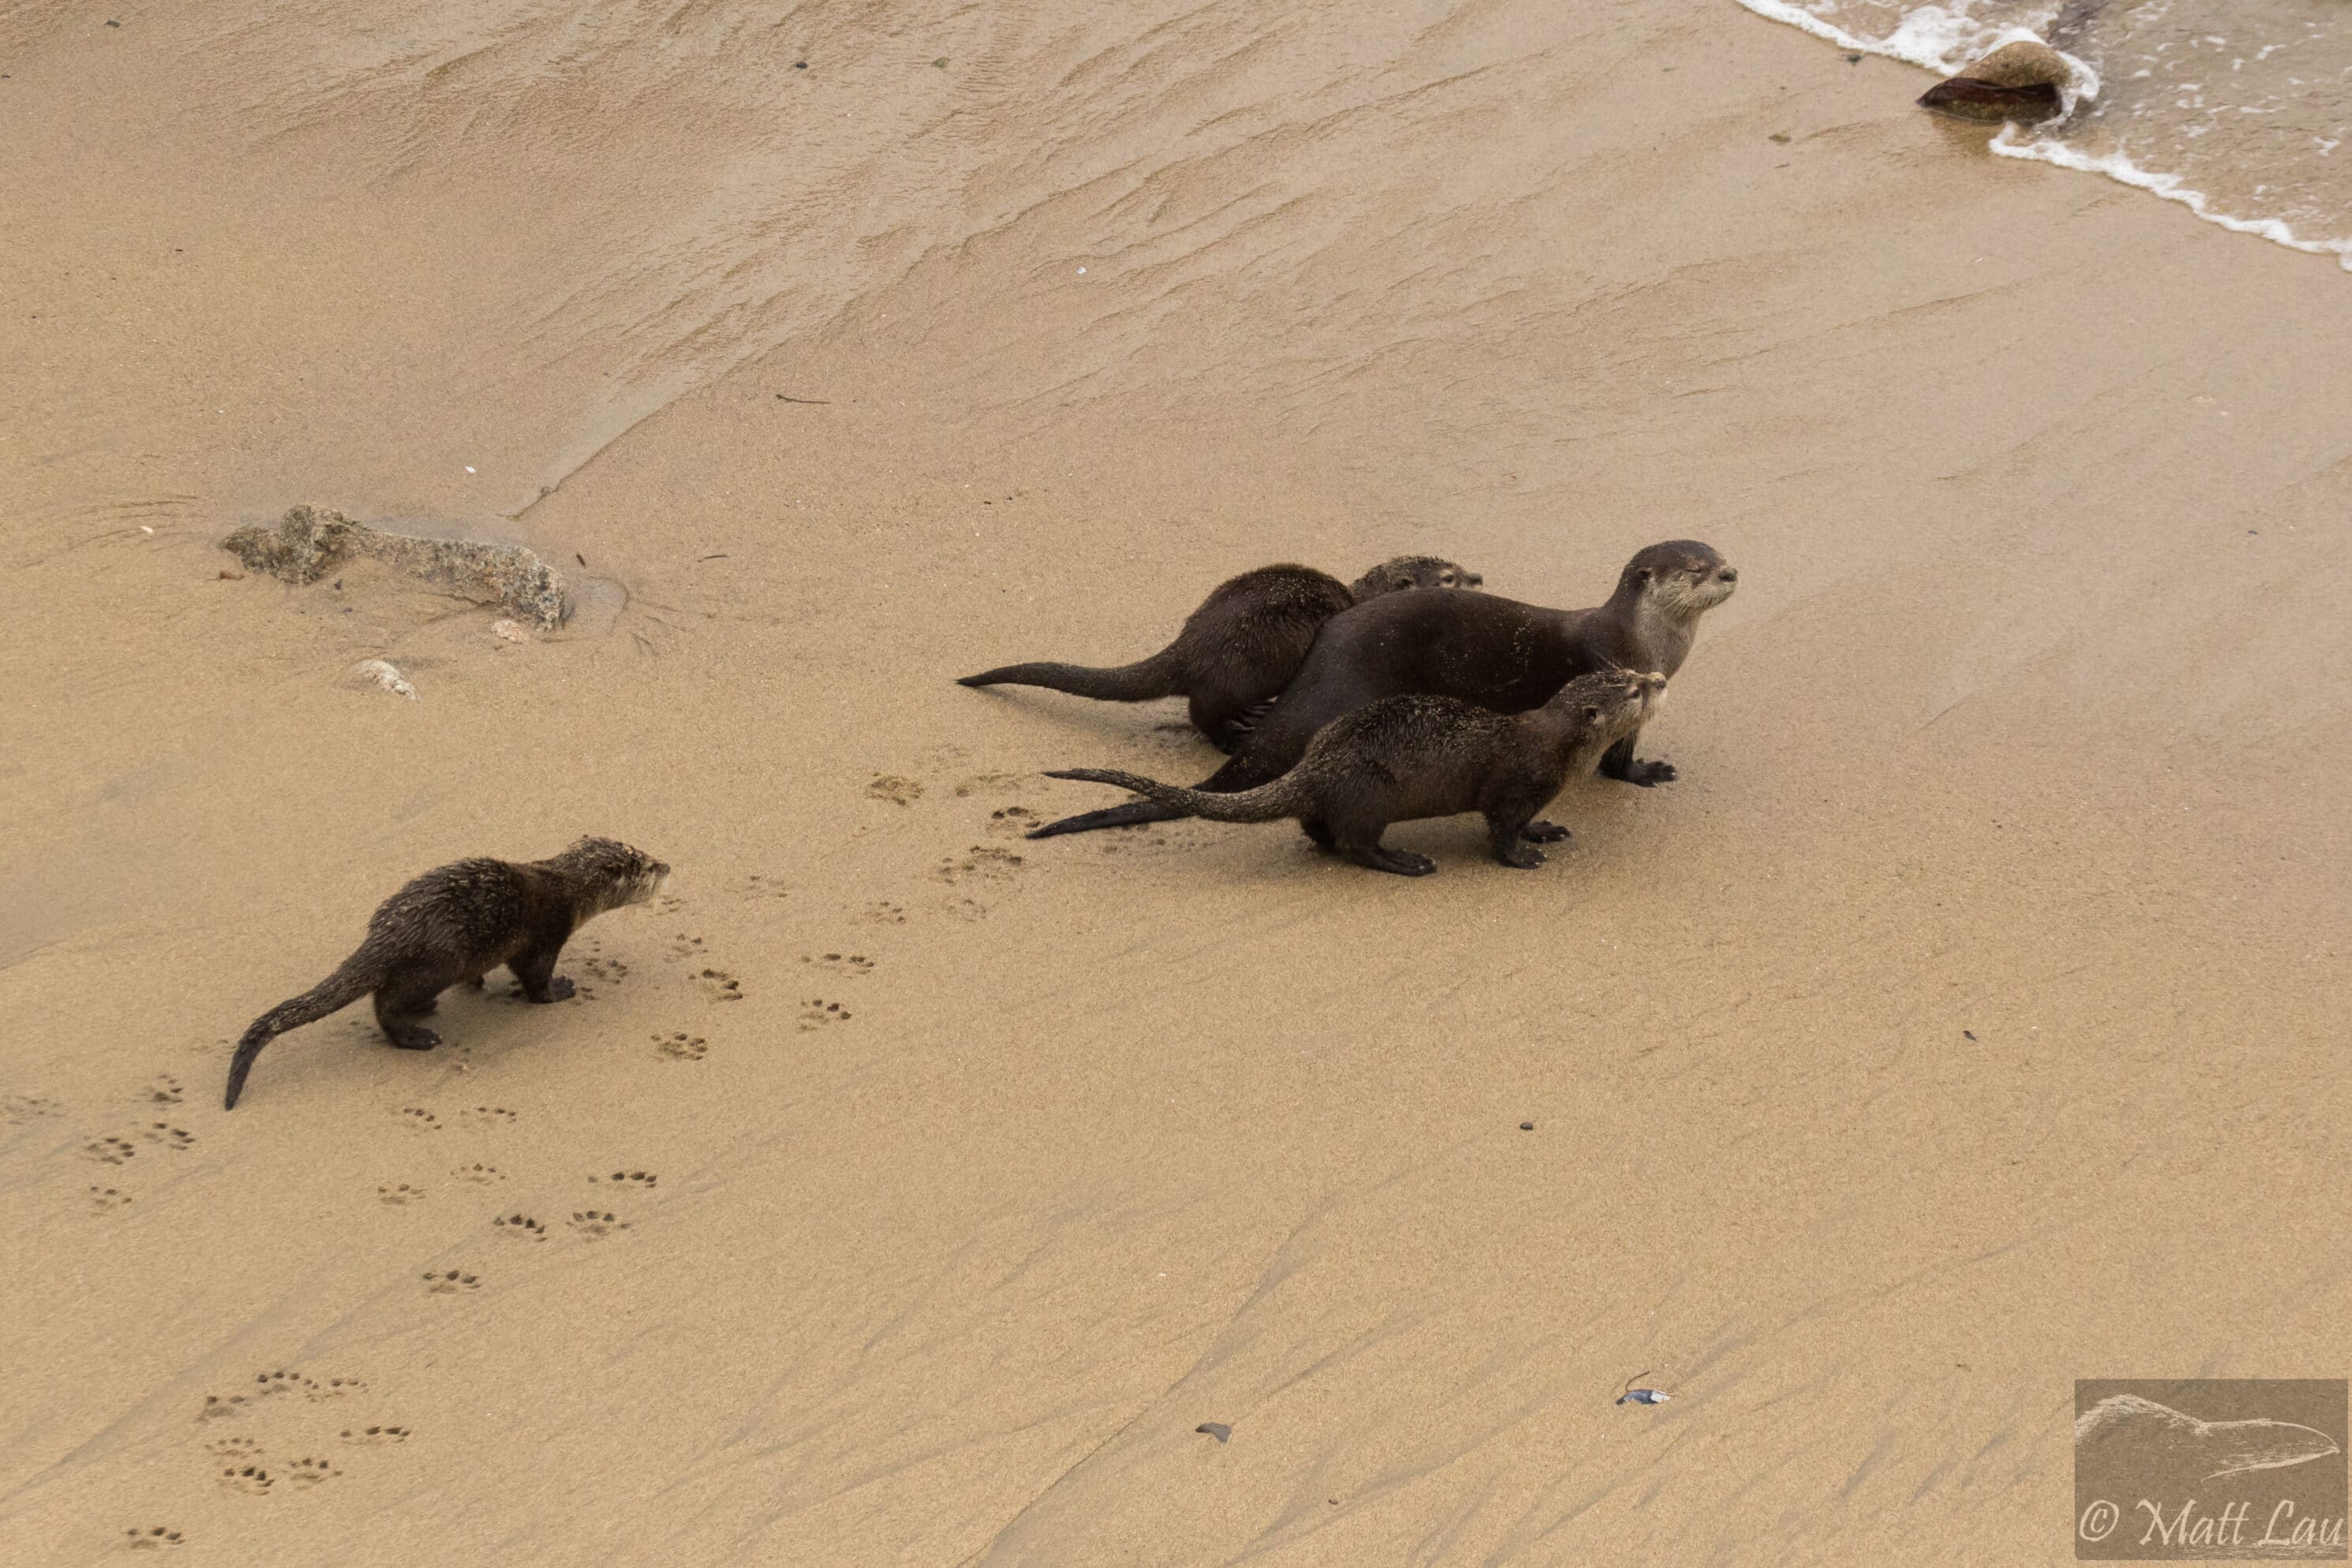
(1965, 1021)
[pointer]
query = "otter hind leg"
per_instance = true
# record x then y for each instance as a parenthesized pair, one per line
(1361, 843)
(1543, 833)
(1316, 828)
(400, 1002)
(1403, 863)
(1618, 762)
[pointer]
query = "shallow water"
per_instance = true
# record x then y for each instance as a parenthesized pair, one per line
(2237, 109)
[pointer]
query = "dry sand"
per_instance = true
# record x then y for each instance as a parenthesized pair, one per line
(2029, 721)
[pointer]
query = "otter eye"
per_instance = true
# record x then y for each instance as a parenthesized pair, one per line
(1591, 711)
(1445, 579)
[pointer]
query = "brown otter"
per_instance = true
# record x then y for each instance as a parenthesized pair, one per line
(1240, 647)
(1497, 652)
(1403, 758)
(455, 923)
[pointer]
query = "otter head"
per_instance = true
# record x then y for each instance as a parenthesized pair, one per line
(1678, 579)
(619, 874)
(1613, 703)
(1413, 571)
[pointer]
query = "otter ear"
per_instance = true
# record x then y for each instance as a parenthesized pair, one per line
(1640, 574)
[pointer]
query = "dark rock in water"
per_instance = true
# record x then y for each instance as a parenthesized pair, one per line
(2021, 81)
(2024, 63)
(309, 542)
(1965, 98)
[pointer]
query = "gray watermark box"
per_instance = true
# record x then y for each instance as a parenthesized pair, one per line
(2197, 1469)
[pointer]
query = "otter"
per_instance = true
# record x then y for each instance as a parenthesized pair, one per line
(457, 923)
(1495, 652)
(1240, 647)
(1402, 758)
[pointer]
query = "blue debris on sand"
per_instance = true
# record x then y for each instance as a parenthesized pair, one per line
(1642, 1396)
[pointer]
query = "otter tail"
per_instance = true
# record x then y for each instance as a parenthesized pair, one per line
(1239, 773)
(1267, 804)
(347, 985)
(1137, 682)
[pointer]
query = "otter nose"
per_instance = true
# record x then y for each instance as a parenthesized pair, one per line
(1476, 579)
(1730, 574)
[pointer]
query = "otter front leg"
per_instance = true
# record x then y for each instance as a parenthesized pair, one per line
(1618, 762)
(536, 971)
(1543, 833)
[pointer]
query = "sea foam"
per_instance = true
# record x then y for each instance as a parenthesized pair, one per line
(1944, 39)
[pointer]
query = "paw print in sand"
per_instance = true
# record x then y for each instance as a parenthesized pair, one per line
(840, 964)
(759, 886)
(683, 1046)
(418, 1119)
(815, 1013)
(610, 971)
(169, 1136)
(897, 790)
(522, 1225)
(107, 1199)
(309, 1472)
(489, 1116)
(884, 914)
(164, 1090)
(982, 862)
(990, 784)
(18, 1109)
(638, 1178)
(250, 1480)
(595, 1226)
(375, 1437)
(719, 986)
(398, 1196)
(109, 1151)
(1012, 822)
(479, 1174)
(235, 1450)
(684, 947)
(154, 1538)
(450, 1281)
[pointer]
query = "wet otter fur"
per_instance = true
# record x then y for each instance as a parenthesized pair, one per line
(1403, 758)
(1243, 645)
(455, 923)
(1477, 648)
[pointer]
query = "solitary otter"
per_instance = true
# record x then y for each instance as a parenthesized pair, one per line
(457, 923)
(1402, 758)
(1240, 647)
(1495, 652)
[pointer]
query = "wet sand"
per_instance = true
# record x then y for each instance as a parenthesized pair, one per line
(1962, 1022)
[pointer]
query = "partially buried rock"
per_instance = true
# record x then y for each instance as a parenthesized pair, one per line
(309, 542)
(2021, 81)
(379, 674)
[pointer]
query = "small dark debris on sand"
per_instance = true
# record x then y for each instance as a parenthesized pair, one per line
(1217, 1429)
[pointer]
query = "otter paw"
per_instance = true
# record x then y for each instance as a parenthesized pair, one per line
(1521, 856)
(1646, 774)
(1403, 863)
(560, 989)
(416, 1040)
(1543, 833)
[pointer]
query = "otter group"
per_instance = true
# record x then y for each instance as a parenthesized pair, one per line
(1345, 706)
(1401, 705)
